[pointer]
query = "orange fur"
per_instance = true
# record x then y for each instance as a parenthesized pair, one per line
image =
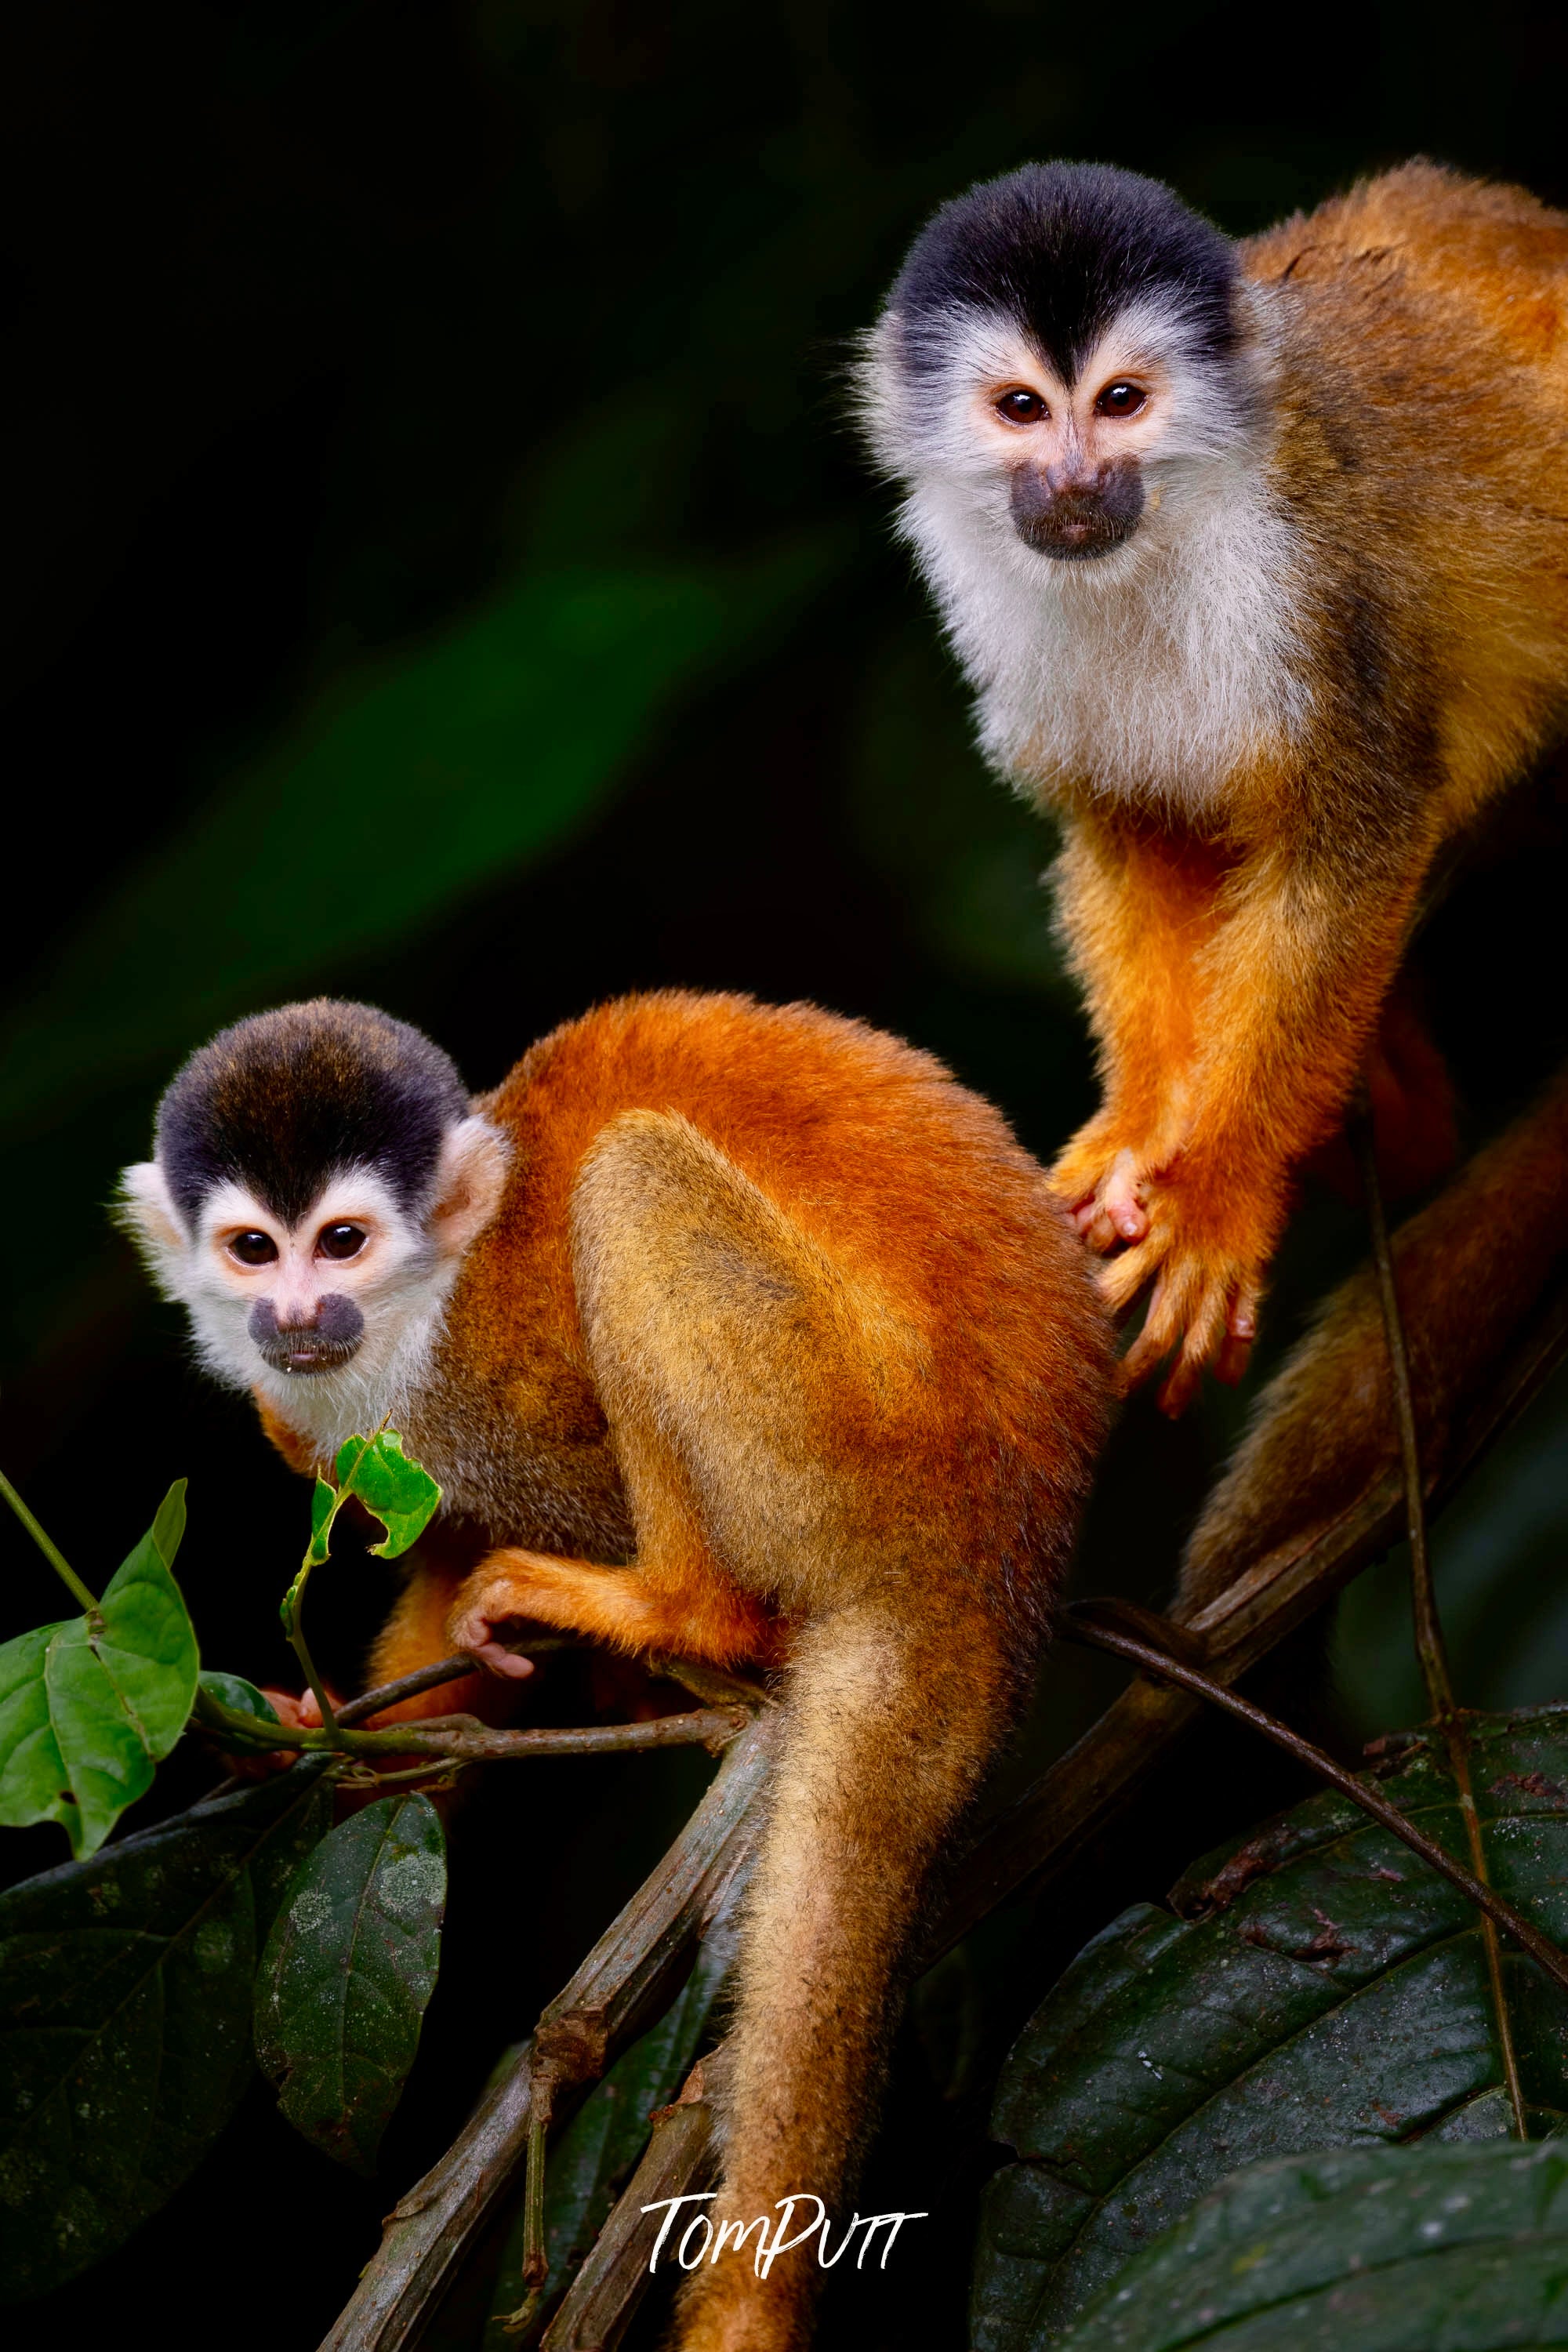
(1237, 962)
(777, 1346)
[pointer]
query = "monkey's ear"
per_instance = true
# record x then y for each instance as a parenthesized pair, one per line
(145, 1209)
(469, 1179)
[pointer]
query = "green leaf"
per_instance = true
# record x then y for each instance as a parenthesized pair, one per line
(324, 1501)
(148, 1645)
(1314, 1986)
(233, 1690)
(125, 1993)
(1438, 2249)
(393, 1489)
(347, 1974)
(600, 2147)
(88, 1705)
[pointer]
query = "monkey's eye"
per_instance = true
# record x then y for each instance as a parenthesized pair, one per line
(252, 1249)
(1022, 407)
(339, 1241)
(1120, 400)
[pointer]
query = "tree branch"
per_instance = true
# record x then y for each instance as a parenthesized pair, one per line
(626, 1982)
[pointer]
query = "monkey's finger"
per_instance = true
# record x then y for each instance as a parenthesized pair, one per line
(499, 1660)
(1162, 1330)
(1230, 1364)
(1121, 1279)
(1122, 1200)
(1099, 1233)
(1206, 1320)
(1242, 1321)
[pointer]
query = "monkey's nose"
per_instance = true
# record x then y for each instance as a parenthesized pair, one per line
(312, 1335)
(1071, 480)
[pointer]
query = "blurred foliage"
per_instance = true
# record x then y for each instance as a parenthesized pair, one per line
(442, 406)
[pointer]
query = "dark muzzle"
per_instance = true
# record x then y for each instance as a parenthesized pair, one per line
(318, 1346)
(1077, 516)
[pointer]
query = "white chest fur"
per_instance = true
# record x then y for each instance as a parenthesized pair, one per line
(1151, 673)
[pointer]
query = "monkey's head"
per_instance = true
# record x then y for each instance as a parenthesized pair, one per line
(1062, 350)
(318, 1174)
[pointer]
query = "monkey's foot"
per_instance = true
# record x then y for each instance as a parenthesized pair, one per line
(1104, 1182)
(1203, 1306)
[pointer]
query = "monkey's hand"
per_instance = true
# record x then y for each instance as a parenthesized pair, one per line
(1208, 1271)
(299, 1712)
(497, 1594)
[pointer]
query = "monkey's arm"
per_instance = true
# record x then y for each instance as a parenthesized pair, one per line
(1291, 985)
(1136, 904)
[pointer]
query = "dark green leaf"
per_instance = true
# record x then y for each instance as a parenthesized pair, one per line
(599, 2149)
(233, 1690)
(1434, 2250)
(1314, 1986)
(396, 1491)
(125, 1994)
(347, 1974)
(88, 1705)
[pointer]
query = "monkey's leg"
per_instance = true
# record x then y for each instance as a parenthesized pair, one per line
(1136, 904)
(1293, 985)
(767, 1418)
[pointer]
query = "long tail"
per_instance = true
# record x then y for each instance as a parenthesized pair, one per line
(1470, 1269)
(891, 1724)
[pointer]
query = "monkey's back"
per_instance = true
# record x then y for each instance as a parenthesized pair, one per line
(1420, 324)
(1470, 256)
(912, 1187)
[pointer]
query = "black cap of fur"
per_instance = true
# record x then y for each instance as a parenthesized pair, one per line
(279, 1101)
(1059, 248)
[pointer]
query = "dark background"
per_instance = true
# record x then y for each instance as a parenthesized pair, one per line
(441, 572)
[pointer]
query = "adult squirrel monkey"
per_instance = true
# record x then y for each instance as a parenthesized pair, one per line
(755, 1299)
(1256, 557)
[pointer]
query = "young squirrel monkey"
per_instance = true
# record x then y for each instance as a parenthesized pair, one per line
(1257, 556)
(754, 1298)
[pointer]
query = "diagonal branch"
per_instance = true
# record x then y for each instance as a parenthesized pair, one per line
(626, 1982)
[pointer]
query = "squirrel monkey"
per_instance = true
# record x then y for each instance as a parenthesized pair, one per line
(755, 1299)
(1256, 557)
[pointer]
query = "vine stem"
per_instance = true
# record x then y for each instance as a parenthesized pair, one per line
(49, 1548)
(1431, 1649)
(1091, 1623)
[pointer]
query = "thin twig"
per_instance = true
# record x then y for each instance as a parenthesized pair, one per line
(1431, 1648)
(1079, 1625)
(465, 1738)
(448, 1670)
